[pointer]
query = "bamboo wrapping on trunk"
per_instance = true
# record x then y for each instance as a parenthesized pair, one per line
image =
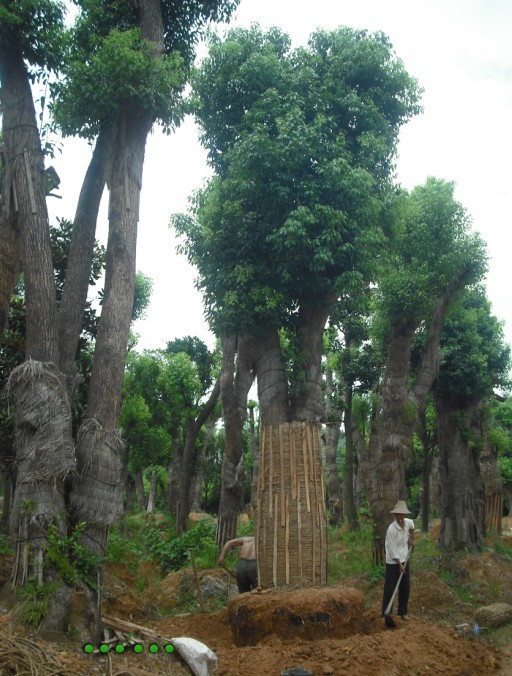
(299, 533)
(294, 489)
(275, 553)
(281, 468)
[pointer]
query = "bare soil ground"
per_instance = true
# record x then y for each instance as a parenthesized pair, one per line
(427, 644)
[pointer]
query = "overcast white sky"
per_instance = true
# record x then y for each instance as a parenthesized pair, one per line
(461, 53)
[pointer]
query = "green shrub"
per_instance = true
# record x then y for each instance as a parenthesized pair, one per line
(173, 553)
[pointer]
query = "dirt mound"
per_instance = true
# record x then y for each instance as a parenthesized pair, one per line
(314, 613)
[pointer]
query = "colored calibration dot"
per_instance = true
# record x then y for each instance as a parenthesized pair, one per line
(103, 648)
(119, 648)
(137, 648)
(88, 648)
(153, 648)
(169, 648)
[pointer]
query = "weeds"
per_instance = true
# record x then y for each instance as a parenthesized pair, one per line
(35, 600)
(5, 545)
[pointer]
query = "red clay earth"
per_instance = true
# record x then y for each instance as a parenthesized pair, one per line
(427, 644)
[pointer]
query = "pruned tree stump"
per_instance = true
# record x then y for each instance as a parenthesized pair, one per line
(313, 613)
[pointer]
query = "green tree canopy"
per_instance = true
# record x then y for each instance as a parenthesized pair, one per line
(475, 359)
(295, 212)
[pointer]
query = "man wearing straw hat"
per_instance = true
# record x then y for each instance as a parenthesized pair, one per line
(399, 537)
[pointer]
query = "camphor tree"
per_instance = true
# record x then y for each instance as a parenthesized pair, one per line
(475, 360)
(302, 143)
(124, 69)
(432, 256)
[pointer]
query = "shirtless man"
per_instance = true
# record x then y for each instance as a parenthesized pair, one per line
(246, 570)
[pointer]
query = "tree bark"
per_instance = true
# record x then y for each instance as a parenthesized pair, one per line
(332, 437)
(269, 371)
(10, 255)
(349, 502)
(174, 475)
(234, 390)
(7, 499)
(193, 426)
(462, 492)
(426, 469)
(306, 404)
(393, 427)
(97, 497)
(383, 465)
(81, 251)
(152, 493)
(26, 193)
(139, 487)
(43, 441)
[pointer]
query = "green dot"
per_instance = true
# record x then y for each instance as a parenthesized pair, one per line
(103, 648)
(119, 648)
(153, 648)
(137, 648)
(169, 648)
(88, 648)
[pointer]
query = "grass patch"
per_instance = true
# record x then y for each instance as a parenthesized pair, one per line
(350, 555)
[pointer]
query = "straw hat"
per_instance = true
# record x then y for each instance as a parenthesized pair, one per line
(400, 508)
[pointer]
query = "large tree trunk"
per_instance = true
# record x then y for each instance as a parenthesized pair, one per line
(332, 437)
(25, 189)
(307, 403)
(10, 253)
(152, 493)
(393, 427)
(81, 251)
(174, 474)
(139, 487)
(97, 498)
(291, 512)
(234, 390)
(7, 499)
(44, 459)
(462, 492)
(383, 465)
(43, 442)
(291, 538)
(493, 483)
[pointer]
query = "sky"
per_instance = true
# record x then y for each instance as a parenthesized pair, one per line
(460, 52)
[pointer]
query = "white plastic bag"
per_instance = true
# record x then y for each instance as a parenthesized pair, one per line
(197, 655)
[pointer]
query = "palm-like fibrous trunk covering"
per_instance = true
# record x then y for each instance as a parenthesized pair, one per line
(44, 458)
(291, 519)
